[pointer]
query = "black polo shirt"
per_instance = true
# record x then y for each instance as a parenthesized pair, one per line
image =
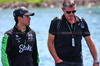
(63, 39)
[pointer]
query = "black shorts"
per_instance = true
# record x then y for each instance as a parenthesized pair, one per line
(66, 63)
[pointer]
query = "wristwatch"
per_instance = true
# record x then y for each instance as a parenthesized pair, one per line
(96, 61)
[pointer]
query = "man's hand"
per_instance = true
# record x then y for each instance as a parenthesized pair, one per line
(95, 64)
(59, 61)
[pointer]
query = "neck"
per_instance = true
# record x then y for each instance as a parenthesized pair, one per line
(71, 21)
(21, 27)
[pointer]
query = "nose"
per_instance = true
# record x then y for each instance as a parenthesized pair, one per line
(71, 13)
(29, 18)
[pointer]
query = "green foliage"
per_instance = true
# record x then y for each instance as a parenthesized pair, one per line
(29, 1)
(2, 1)
(37, 1)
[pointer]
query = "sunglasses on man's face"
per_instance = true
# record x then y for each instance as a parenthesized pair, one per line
(68, 12)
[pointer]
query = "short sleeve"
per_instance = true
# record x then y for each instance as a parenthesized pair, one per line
(53, 27)
(86, 31)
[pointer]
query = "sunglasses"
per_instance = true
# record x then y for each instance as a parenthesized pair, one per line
(68, 12)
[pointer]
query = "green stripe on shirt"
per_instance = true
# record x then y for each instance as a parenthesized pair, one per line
(3, 51)
(38, 60)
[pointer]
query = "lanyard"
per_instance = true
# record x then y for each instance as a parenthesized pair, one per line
(71, 30)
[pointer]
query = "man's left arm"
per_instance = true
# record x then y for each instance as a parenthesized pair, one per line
(92, 49)
(35, 54)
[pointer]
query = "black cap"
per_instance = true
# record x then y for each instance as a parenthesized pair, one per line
(22, 11)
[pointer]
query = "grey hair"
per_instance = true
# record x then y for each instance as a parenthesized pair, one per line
(68, 3)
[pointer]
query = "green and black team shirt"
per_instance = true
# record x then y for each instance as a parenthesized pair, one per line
(19, 48)
(63, 39)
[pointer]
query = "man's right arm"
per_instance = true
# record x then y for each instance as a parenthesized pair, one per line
(51, 47)
(5, 49)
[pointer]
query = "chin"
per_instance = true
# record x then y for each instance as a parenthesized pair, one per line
(71, 18)
(28, 24)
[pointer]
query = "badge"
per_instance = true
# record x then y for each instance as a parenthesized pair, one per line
(73, 42)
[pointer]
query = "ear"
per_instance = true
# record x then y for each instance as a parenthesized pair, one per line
(19, 18)
(62, 9)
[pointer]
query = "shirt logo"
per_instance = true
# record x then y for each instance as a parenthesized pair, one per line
(30, 36)
(22, 48)
(18, 38)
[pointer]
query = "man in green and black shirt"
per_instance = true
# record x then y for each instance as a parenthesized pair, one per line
(19, 46)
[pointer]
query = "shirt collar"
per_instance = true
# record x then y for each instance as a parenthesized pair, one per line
(16, 29)
(77, 19)
(64, 19)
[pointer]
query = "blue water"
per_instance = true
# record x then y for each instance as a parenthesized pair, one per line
(40, 24)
